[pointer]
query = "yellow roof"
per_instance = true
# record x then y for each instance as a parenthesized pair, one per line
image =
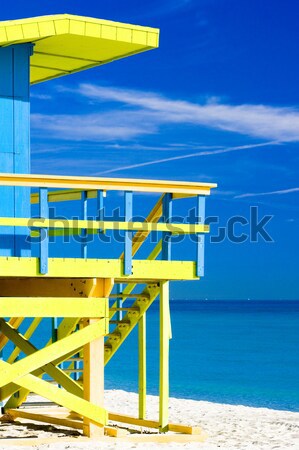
(64, 43)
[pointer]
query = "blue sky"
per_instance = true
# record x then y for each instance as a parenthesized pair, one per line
(218, 101)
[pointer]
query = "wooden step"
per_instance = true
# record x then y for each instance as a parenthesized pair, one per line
(129, 296)
(120, 322)
(125, 309)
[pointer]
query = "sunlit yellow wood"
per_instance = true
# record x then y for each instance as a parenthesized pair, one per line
(117, 184)
(93, 365)
(44, 416)
(14, 322)
(60, 396)
(93, 380)
(60, 416)
(66, 327)
(132, 317)
(29, 349)
(65, 43)
(27, 335)
(46, 355)
(108, 268)
(164, 357)
(177, 428)
(49, 287)
(52, 307)
(93, 225)
(142, 367)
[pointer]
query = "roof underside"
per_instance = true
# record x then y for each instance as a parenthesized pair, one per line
(64, 44)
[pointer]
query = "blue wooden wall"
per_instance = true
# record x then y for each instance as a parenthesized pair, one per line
(14, 143)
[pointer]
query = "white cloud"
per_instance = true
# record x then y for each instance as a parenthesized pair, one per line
(104, 126)
(259, 194)
(41, 96)
(143, 113)
(266, 122)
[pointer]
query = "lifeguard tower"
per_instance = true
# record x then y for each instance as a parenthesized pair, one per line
(91, 301)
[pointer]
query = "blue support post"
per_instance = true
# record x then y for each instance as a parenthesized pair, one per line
(15, 143)
(54, 323)
(119, 301)
(44, 232)
(54, 329)
(76, 367)
(128, 234)
(166, 217)
(84, 217)
(200, 254)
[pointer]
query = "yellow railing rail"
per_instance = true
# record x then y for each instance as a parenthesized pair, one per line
(95, 225)
(114, 184)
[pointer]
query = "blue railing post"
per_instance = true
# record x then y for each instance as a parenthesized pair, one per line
(44, 232)
(84, 217)
(128, 234)
(100, 206)
(166, 217)
(200, 250)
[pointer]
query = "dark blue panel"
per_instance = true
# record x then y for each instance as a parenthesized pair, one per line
(6, 207)
(6, 125)
(6, 71)
(14, 143)
(22, 70)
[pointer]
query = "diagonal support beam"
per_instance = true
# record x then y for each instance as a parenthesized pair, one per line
(27, 335)
(61, 397)
(29, 349)
(15, 322)
(66, 327)
(11, 388)
(74, 342)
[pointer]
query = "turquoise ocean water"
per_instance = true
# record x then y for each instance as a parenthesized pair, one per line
(237, 352)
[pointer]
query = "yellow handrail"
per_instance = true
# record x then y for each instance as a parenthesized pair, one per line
(115, 184)
(95, 225)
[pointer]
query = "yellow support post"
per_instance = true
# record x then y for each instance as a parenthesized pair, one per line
(142, 366)
(164, 357)
(93, 380)
(93, 375)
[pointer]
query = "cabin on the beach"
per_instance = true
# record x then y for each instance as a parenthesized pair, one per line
(70, 269)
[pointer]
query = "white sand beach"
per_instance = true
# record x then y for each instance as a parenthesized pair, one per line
(228, 427)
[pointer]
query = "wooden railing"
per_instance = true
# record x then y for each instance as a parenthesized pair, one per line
(135, 232)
